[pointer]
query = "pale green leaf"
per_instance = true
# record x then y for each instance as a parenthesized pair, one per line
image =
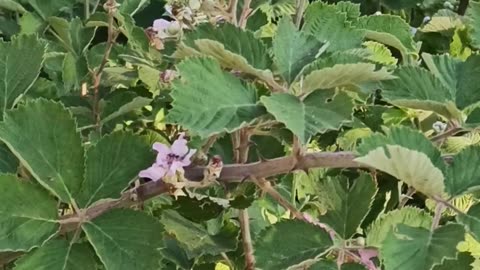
(20, 62)
(473, 21)
(348, 204)
(208, 100)
(347, 75)
(328, 24)
(293, 50)
(389, 30)
(351, 9)
(417, 88)
(132, 7)
(29, 23)
(111, 166)
(125, 239)
(444, 68)
(42, 134)
(458, 143)
(278, 248)
(380, 228)
(12, 6)
(380, 53)
(194, 238)
(444, 20)
(59, 255)
(316, 113)
(407, 155)
(27, 214)
(233, 40)
(412, 248)
(461, 176)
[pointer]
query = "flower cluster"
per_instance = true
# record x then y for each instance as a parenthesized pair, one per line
(170, 160)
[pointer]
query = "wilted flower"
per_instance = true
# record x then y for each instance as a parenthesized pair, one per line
(169, 159)
(366, 256)
(165, 29)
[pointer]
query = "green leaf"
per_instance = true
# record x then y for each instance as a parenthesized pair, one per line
(407, 155)
(464, 260)
(418, 248)
(471, 221)
(122, 103)
(473, 21)
(278, 248)
(351, 9)
(328, 24)
(444, 68)
(125, 239)
(8, 162)
(461, 176)
(131, 7)
(208, 100)
(12, 6)
(59, 255)
(233, 40)
(51, 8)
(417, 88)
(73, 35)
(20, 64)
(348, 204)
(194, 238)
(380, 53)
(40, 132)
(293, 49)
(27, 215)
(442, 21)
(468, 81)
(378, 231)
(111, 165)
(347, 75)
(316, 113)
(389, 30)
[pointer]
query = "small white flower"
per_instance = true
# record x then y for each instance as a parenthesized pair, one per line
(439, 127)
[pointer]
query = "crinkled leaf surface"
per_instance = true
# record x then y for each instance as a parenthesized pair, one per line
(316, 113)
(27, 214)
(293, 49)
(194, 238)
(278, 248)
(389, 30)
(328, 24)
(461, 176)
(348, 75)
(473, 15)
(234, 40)
(380, 228)
(407, 155)
(208, 100)
(413, 248)
(111, 165)
(348, 204)
(20, 62)
(125, 239)
(59, 255)
(42, 134)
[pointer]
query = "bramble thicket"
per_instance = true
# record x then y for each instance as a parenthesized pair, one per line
(240, 134)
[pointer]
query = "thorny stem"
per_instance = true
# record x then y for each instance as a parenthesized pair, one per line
(110, 5)
(233, 12)
(241, 144)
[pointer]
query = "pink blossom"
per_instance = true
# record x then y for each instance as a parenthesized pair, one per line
(169, 159)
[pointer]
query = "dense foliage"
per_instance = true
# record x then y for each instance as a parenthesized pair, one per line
(250, 134)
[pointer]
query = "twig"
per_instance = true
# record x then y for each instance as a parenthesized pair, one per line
(111, 6)
(438, 214)
(406, 197)
(449, 205)
(241, 145)
(242, 23)
(233, 12)
(299, 7)
(267, 188)
(445, 134)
